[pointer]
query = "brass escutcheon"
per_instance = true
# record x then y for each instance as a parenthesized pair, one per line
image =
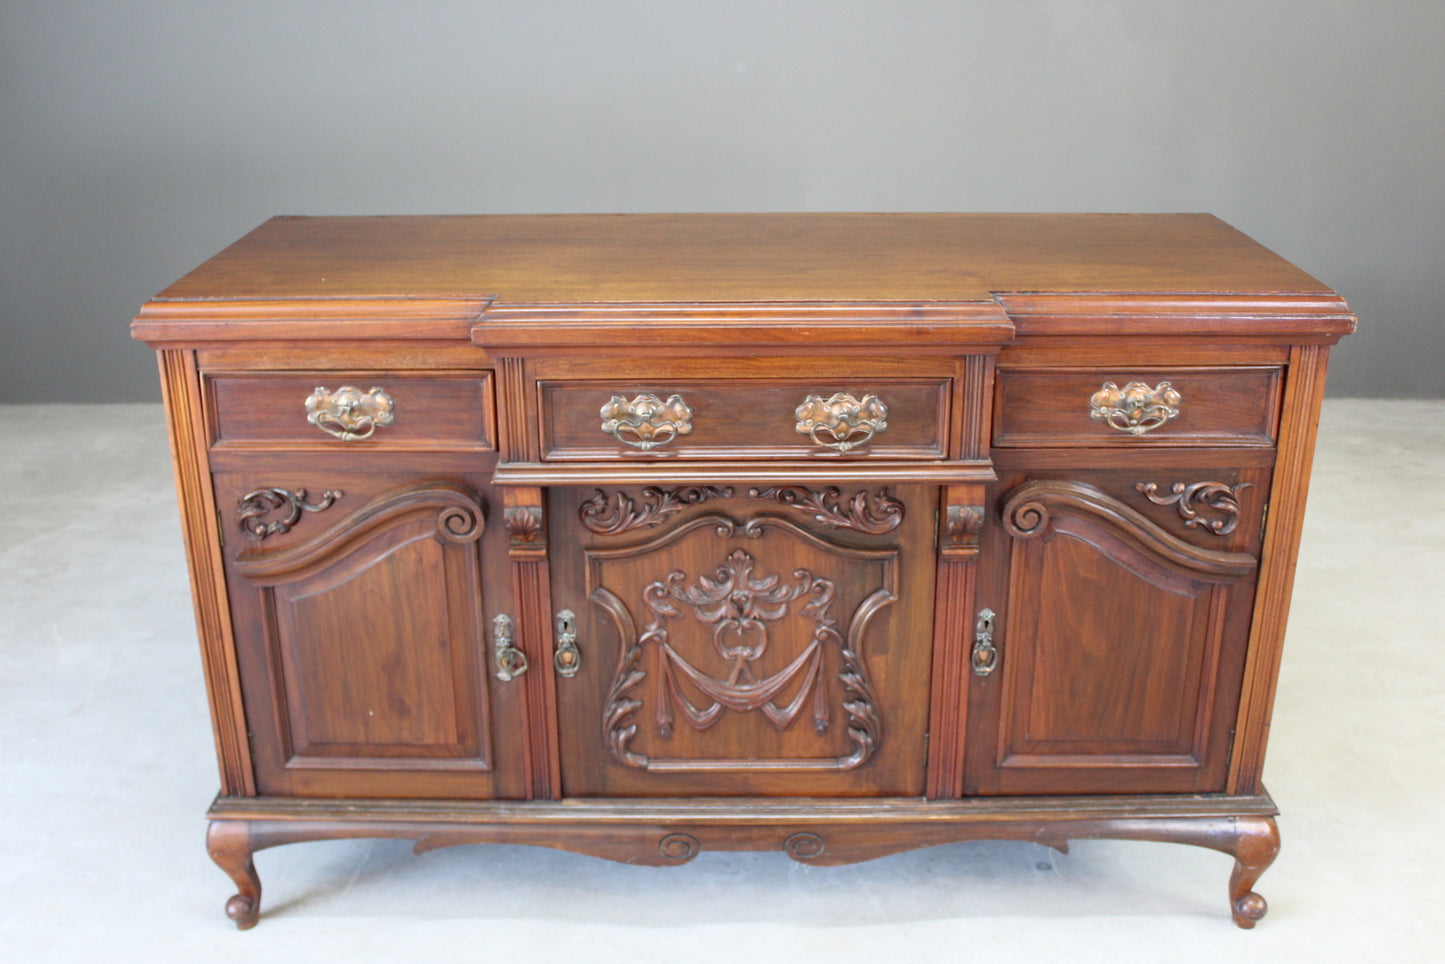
(511, 661)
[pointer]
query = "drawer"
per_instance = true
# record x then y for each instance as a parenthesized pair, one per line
(432, 410)
(1137, 406)
(713, 418)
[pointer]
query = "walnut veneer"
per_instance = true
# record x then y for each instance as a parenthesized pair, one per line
(839, 535)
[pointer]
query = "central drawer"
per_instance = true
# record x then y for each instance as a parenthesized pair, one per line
(827, 416)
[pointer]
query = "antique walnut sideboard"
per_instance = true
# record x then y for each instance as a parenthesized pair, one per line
(838, 535)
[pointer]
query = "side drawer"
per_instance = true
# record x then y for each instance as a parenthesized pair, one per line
(702, 418)
(1137, 406)
(382, 410)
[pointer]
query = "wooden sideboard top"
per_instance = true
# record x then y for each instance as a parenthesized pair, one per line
(965, 278)
(520, 259)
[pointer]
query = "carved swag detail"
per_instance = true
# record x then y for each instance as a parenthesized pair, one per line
(740, 606)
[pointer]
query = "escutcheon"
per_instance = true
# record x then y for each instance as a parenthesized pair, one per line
(567, 658)
(985, 656)
(511, 661)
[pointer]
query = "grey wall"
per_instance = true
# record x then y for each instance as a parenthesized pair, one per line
(137, 138)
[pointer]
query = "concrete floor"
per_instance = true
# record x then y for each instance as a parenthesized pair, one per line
(106, 768)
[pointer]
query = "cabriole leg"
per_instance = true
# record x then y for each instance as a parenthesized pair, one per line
(1256, 846)
(229, 844)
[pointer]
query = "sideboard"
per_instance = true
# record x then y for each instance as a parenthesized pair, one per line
(836, 535)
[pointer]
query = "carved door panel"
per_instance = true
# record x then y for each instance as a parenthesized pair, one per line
(360, 625)
(1120, 634)
(745, 640)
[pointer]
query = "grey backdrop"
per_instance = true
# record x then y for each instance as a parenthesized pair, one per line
(139, 137)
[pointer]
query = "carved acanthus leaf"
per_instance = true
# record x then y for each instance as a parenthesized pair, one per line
(254, 507)
(1190, 498)
(609, 515)
(872, 512)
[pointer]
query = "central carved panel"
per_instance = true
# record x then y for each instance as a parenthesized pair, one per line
(746, 628)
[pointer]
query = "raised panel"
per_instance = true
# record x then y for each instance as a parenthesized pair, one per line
(1121, 648)
(371, 660)
(1122, 683)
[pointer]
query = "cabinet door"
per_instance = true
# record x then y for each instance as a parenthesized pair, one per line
(1122, 615)
(360, 620)
(767, 640)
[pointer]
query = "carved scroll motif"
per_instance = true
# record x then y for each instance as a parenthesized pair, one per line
(740, 606)
(254, 507)
(1188, 499)
(872, 512)
(610, 515)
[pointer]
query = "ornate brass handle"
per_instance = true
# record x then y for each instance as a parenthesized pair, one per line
(842, 422)
(985, 656)
(349, 414)
(647, 421)
(1136, 408)
(511, 661)
(567, 658)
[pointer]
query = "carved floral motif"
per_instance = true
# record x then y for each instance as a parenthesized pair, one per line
(1190, 498)
(254, 507)
(609, 515)
(871, 512)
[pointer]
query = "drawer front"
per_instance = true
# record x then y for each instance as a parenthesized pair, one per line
(1132, 407)
(744, 418)
(443, 410)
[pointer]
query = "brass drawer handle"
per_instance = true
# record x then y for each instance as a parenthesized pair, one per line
(647, 421)
(349, 414)
(1136, 408)
(842, 422)
(511, 661)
